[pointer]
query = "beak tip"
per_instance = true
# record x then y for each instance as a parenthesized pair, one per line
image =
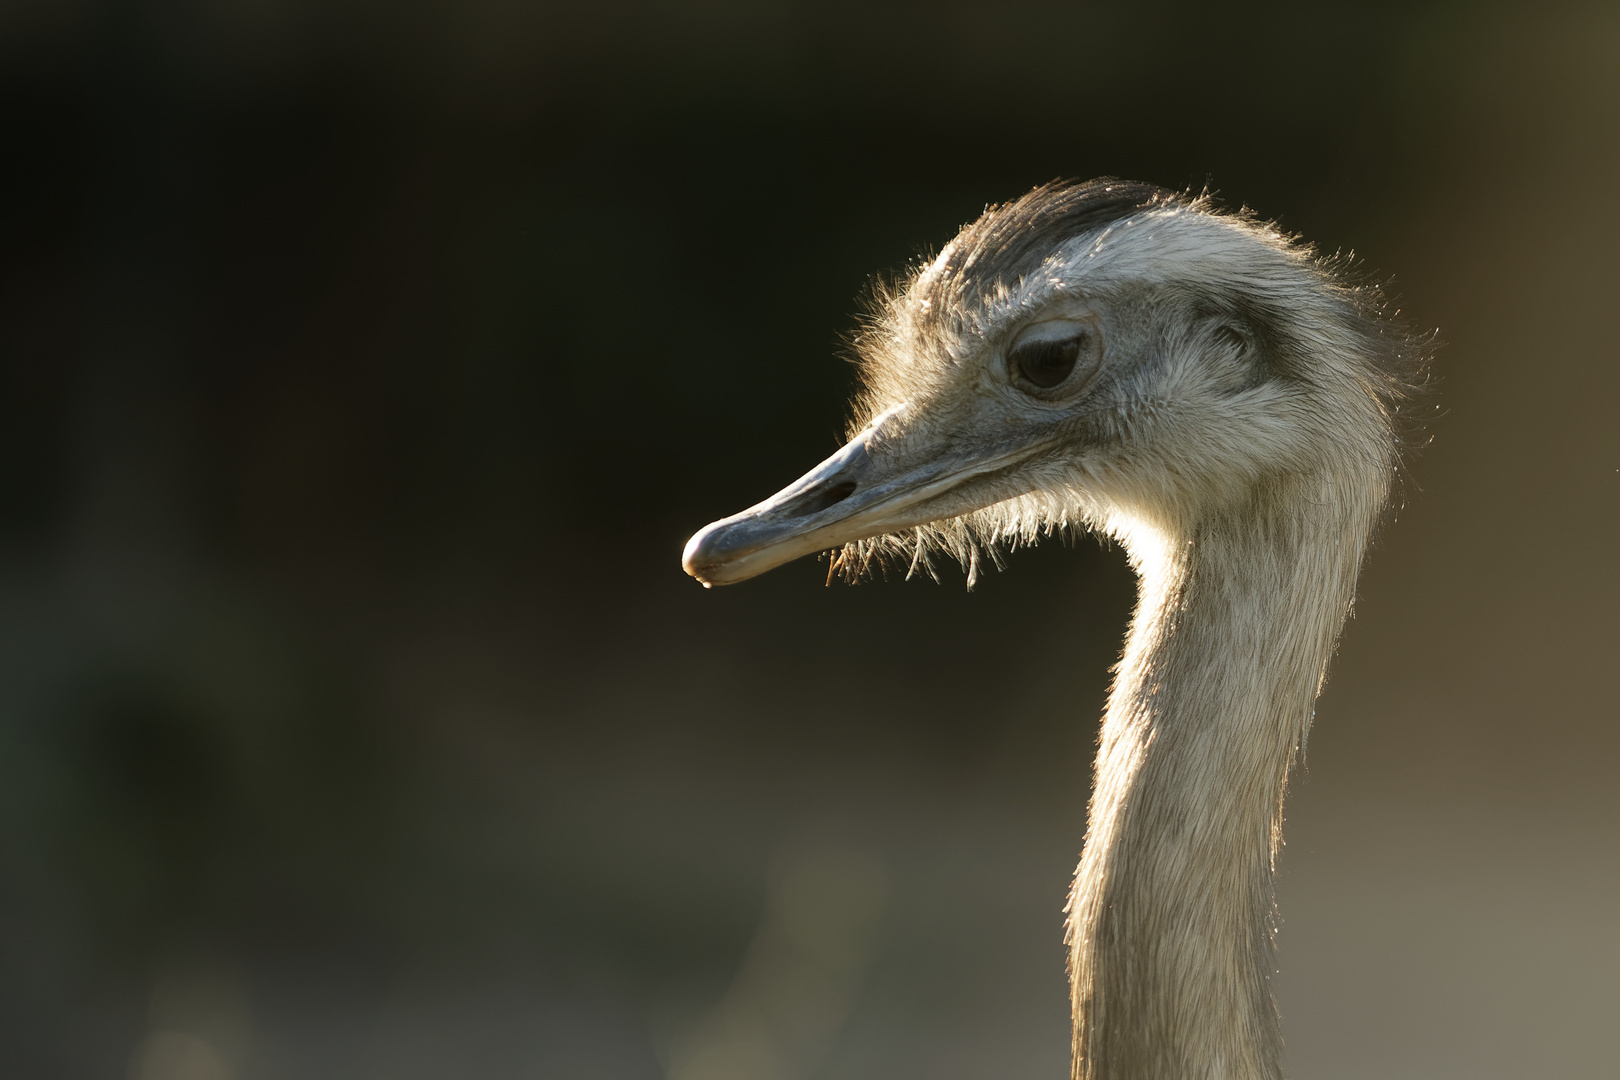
(698, 562)
(715, 557)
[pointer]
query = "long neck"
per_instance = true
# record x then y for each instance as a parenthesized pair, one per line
(1171, 917)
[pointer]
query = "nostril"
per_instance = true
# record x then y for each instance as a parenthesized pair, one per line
(818, 499)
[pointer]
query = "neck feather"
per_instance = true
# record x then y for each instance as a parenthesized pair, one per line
(1172, 915)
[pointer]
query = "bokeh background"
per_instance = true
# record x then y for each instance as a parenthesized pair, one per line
(367, 365)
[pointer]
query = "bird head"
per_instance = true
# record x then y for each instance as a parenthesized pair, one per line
(1107, 355)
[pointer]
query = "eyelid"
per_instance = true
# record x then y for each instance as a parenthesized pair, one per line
(1050, 330)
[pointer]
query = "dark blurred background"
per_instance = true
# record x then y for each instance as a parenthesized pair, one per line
(367, 365)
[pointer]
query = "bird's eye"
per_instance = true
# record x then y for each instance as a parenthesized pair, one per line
(1045, 363)
(1055, 358)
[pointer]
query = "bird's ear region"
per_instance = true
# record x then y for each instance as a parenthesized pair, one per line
(1234, 356)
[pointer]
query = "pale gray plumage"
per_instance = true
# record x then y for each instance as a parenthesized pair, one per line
(1211, 394)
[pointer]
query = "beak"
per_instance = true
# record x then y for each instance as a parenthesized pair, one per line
(863, 490)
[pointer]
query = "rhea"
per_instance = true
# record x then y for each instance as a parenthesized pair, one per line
(1227, 406)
